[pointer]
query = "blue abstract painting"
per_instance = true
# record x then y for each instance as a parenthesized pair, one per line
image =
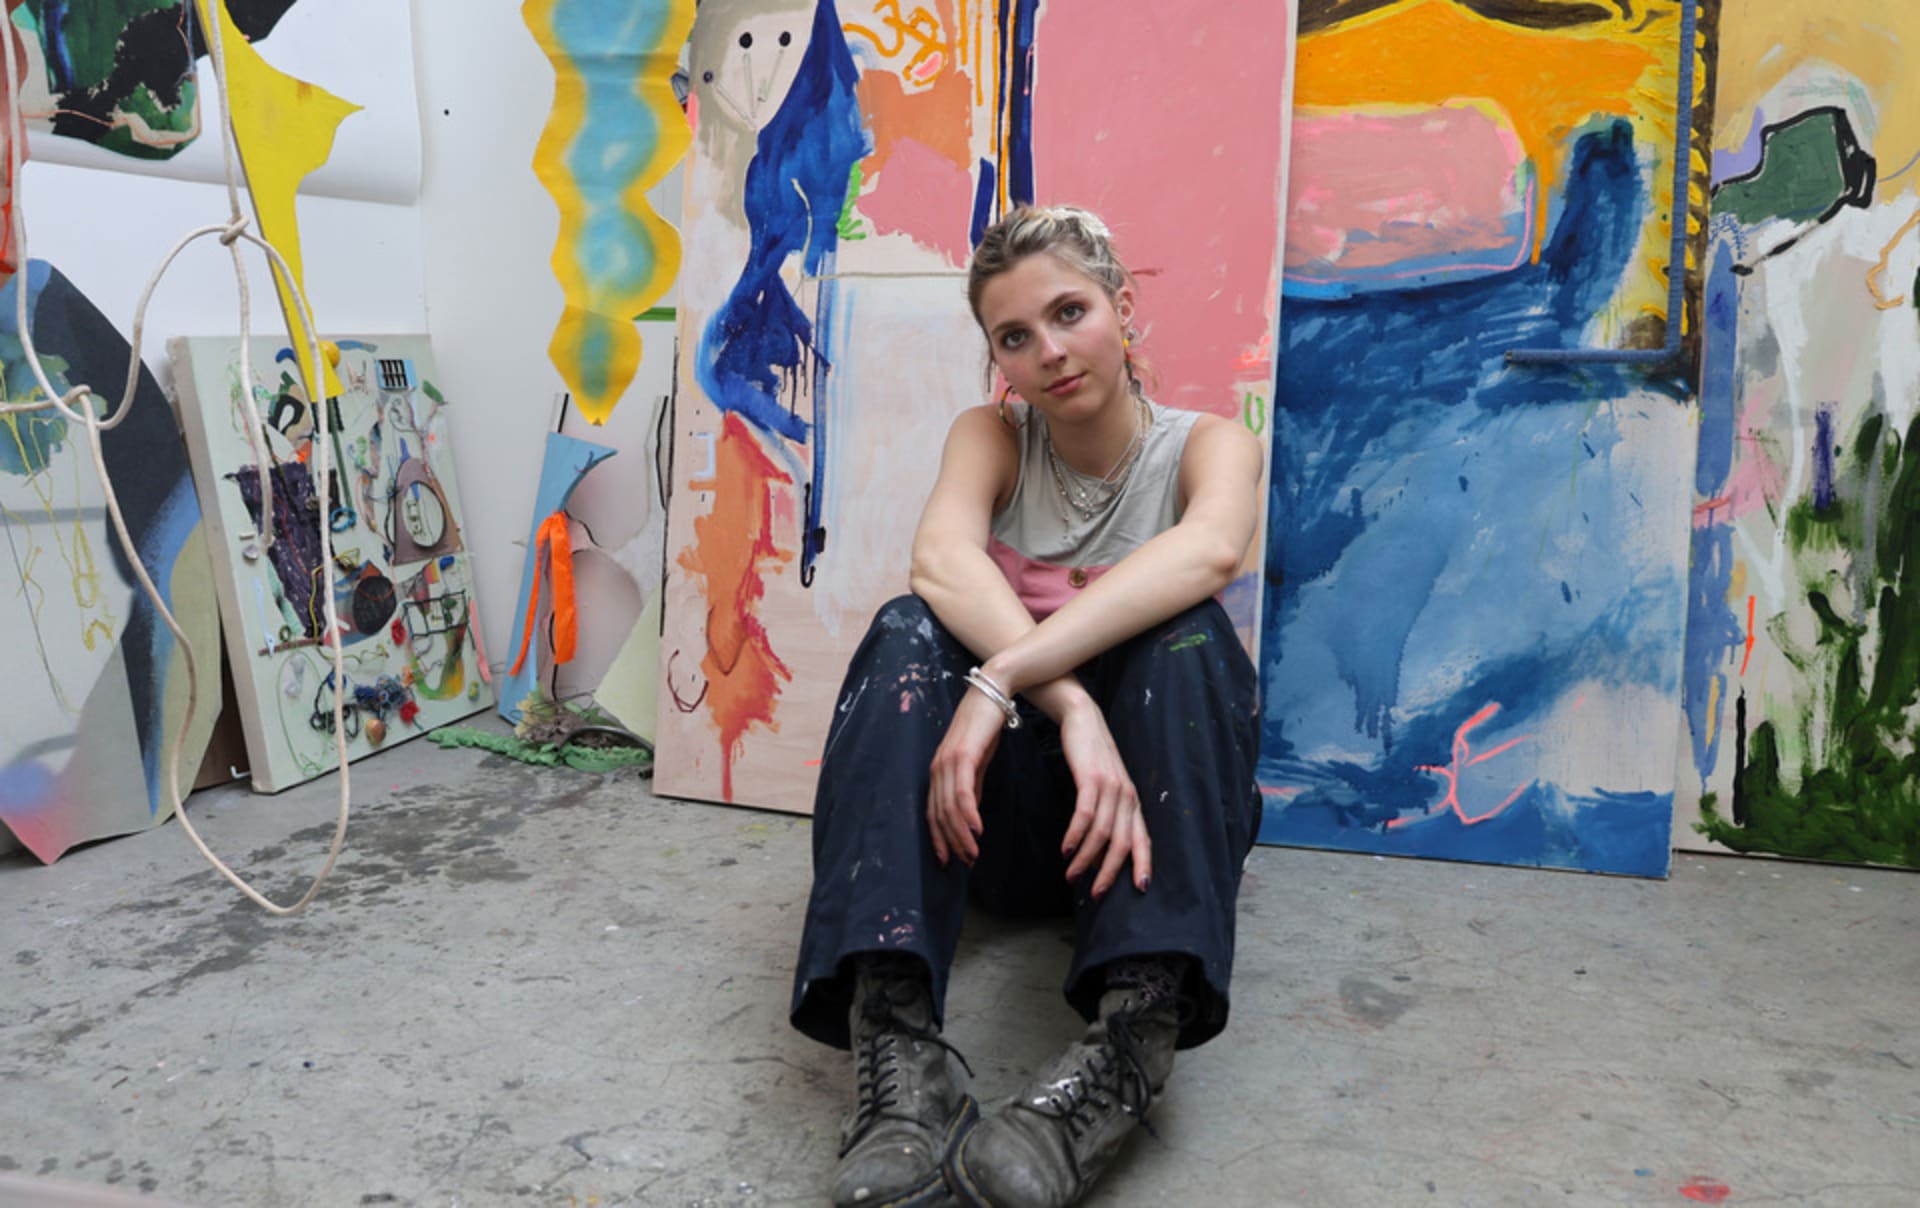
(1476, 573)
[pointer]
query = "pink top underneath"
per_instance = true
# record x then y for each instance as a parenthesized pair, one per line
(1041, 586)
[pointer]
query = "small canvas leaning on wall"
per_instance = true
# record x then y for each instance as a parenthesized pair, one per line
(400, 578)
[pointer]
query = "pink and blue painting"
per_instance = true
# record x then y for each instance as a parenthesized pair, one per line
(846, 155)
(1476, 571)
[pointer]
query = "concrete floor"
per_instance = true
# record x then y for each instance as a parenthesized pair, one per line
(553, 988)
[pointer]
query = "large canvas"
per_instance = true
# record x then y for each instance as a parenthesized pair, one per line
(845, 158)
(96, 684)
(1476, 572)
(400, 578)
(1801, 672)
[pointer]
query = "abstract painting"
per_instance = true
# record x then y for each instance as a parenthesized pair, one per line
(400, 577)
(1803, 644)
(96, 684)
(846, 156)
(1475, 571)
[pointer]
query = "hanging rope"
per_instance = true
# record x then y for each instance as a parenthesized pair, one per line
(77, 405)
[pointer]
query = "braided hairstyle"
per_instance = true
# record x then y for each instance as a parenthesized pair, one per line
(1076, 237)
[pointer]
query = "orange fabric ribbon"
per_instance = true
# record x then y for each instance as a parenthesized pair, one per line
(553, 550)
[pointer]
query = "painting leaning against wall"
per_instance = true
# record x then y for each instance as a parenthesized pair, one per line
(1476, 572)
(400, 578)
(96, 684)
(846, 156)
(1803, 648)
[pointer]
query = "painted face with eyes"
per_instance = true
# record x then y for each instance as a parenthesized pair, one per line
(1057, 337)
(744, 54)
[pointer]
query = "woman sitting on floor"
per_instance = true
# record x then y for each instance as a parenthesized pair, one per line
(1098, 760)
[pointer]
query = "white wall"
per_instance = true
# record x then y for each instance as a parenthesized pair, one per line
(108, 232)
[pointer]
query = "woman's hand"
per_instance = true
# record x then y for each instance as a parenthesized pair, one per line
(1107, 827)
(959, 766)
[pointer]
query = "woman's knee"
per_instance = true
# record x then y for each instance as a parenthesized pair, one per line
(904, 628)
(906, 613)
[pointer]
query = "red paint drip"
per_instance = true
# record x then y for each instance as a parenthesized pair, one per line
(1746, 658)
(1705, 1191)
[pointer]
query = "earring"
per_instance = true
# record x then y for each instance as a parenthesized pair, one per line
(1005, 417)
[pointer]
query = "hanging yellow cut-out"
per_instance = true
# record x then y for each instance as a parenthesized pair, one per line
(283, 128)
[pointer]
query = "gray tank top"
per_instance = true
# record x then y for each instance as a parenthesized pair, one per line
(1048, 550)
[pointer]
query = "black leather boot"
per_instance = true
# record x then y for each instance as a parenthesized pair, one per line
(1046, 1146)
(908, 1110)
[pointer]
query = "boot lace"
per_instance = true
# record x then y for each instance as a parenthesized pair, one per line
(877, 1071)
(1113, 1075)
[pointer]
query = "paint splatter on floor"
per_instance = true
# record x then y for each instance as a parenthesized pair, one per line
(1705, 1191)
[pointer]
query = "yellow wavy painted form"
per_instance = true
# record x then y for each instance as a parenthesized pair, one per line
(1546, 84)
(597, 347)
(283, 129)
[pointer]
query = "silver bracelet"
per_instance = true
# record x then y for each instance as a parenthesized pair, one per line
(977, 678)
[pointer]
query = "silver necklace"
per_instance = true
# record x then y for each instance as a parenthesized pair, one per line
(1085, 494)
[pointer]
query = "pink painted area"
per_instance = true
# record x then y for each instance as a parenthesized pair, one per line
(1179, 150)
(923, 195)
(1043, 587)
(1378, 190)
(1757, 484)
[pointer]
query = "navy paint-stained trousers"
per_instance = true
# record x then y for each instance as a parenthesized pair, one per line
(1179, 699)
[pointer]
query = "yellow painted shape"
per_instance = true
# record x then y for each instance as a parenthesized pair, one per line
(1764, 41)
(1544, 83)
(283, 128)
(597, 346)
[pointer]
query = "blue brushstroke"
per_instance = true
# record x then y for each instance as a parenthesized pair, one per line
(53, 35)
(813, 535)
(754, 346)
(1717, 363)
(985, 190)
(1714, 632)
(1019, 18)
(1823, 496)
(1426, 501)
(168, 530)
